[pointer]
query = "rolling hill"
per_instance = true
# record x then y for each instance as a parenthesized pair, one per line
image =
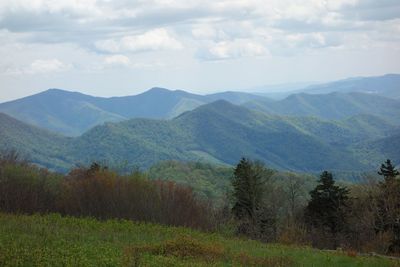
(331, 106)
(219, 132)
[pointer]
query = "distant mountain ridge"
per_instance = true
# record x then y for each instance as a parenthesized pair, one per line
(387, 85)
(73, 113)
(331, 106)
(219, 132)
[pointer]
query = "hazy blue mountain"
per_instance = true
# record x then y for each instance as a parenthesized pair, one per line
(387, 85)
(156, 103)
(279, 91)
(73, 113)
(331, 106)
(219, 132)
(61, 111)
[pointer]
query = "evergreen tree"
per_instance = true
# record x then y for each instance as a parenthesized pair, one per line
(388, 213)
(387, 170)
(327, 208)
(248, 192)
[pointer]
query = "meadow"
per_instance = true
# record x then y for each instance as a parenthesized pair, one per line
(53, 240)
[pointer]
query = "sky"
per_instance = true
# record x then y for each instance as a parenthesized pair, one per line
(123, 47)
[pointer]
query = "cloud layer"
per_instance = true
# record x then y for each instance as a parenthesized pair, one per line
(46, 36)
(139, 26)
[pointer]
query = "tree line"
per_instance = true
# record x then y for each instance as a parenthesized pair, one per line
(361, 217)
(99, 192)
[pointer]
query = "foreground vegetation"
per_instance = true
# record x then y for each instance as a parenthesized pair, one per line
(260, 204)
(52, 240)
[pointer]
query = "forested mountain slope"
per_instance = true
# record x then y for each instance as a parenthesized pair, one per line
(219, 132)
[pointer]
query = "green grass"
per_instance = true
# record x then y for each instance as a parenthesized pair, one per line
(53, 240)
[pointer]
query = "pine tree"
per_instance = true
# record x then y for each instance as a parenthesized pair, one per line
(248, 193)
(387, 170)
(327, 208)
(388, 213)
(248, 190)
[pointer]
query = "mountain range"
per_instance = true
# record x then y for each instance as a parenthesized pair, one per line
(341, 131)
(72, 113)
(331, 106)
(386, 85)
(219, 132)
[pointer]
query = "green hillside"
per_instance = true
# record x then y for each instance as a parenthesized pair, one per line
(40, 146)
(381, 149)
(141, 142)
(219, 132)
(53, 240)
(207, 180)
(226, 132)
(331, 106)
(344, 132)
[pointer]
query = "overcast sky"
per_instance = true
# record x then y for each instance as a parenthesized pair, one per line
(107, 47)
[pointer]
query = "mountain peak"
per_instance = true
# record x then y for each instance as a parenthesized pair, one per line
(158, 90)
(55, 92)
(58, 91)
(222, 107)
(221, 102)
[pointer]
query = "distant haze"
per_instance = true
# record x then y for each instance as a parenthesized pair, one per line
(115, 48)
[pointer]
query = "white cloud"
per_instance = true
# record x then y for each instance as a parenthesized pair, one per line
(39, 66)
(204, 32)
(313, 40)
(117, 60)
(46, 66)
(72, 7)
(230, 50)
(157, 39)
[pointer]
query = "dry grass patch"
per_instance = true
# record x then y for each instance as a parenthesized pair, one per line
(188, 248)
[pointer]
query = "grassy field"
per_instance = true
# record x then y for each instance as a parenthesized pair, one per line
(52, 240)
